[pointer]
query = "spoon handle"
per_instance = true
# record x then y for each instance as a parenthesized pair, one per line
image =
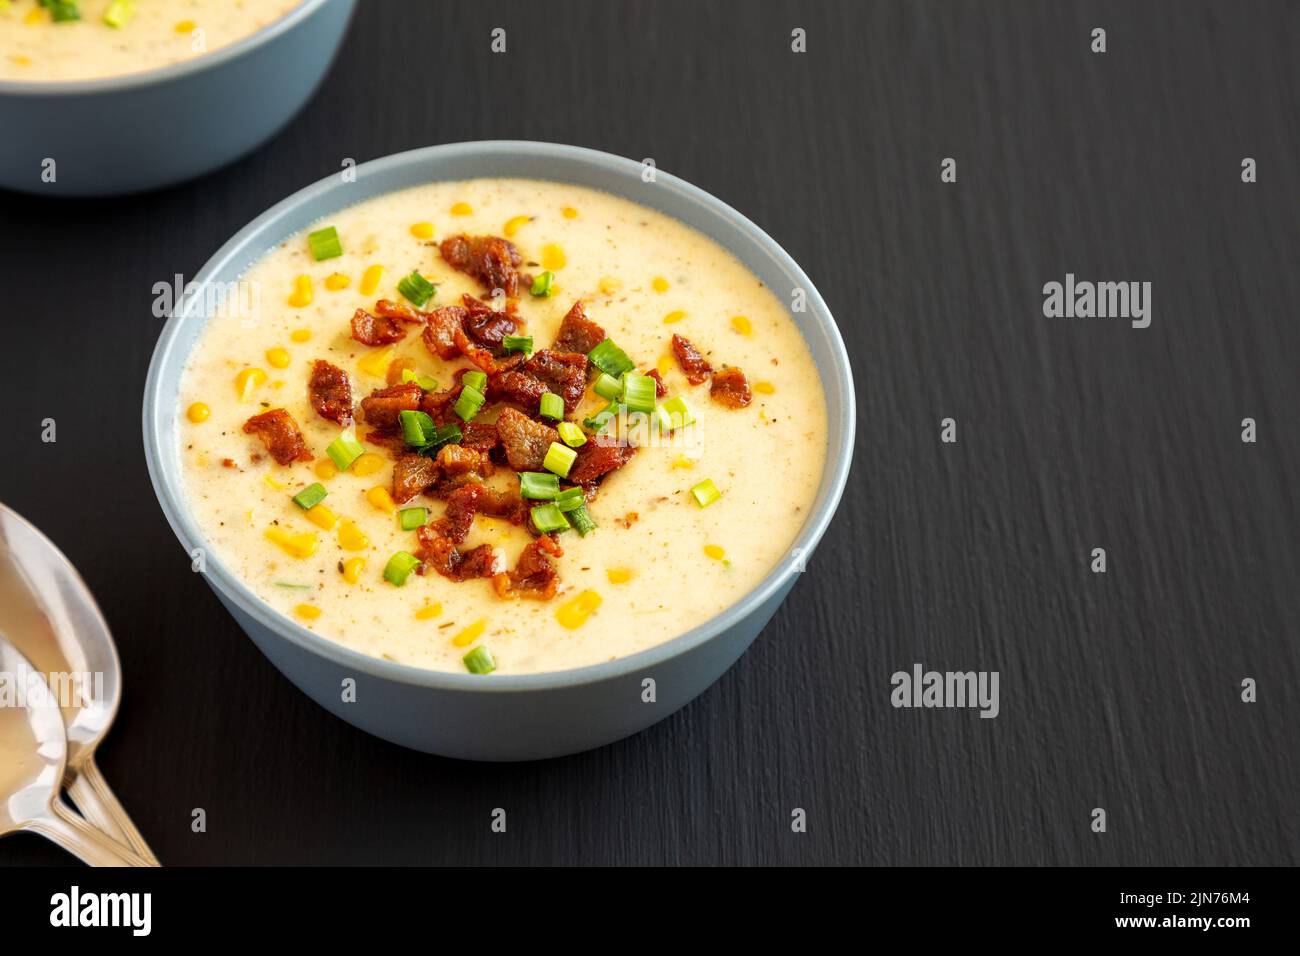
(97, 803)
(60, 825)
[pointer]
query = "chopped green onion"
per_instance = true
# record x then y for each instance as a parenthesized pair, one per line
(639, 392)
(542, 285)
(344, 450)
(424, 381)
(517, 343)
(610, 359)
(607, 386)
(399, 567)
(570, 499)
(559, 459)
(479, 661)
(706, 492)
(573, 436)
(442, 435)
(598, 421)
(663, 421)
(310, 496)
(548, 518)
(417, 427)
(61, 10)
(581, 519)
(411, 518)
(538, 485)
(325, 243)
(118, 12)
(469, 402)
(679, 411)
(474, 379)
(417, 289)
(551, 406)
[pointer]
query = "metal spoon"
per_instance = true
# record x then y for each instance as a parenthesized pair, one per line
(33, 754)
(47, 611)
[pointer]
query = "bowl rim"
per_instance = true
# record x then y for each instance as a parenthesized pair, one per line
(164, 74)
(232, 588)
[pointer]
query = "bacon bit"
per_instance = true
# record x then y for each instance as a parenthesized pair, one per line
(730, 388)
(280, 433)
(660, 388)
(600, 455)
(564, 373)
(382, 407)
(481, 436)
(330, 392)
(695, 365)
(534, 576)
(629, 519)
(489, 259)
(376, 330)
(392, 441)
(388, 309)
(486, 326)
(395, 369)
(411, 475)
(462, 505)
(577, 332)
(229, 463)
(439, 552)
(525, 440)
(440, 333)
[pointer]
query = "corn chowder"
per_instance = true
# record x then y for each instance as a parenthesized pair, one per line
(501, 425)
(49, 40)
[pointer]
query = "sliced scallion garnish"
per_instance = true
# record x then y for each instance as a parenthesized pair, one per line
(417, 427)
(479, 661)
(679, 411)
(344, 450)
(706, 492)
(607, 386)
(399, 568)
(416, 289)
(573, 436)
(475, 379)
(424, 381)
(610, 359)
(469, 402)
(638, 393)
(582, 520)
(559, 459)
(538, 485)
(325, 243)
(118, 12)
(310, 496)
(548, 518)
(551, 406)
(570, 499)
(517, 343)
(411, 518)
(542, 285)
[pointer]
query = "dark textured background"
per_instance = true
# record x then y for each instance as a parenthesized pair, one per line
(1118, 690)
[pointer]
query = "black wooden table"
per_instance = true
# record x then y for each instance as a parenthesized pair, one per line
(1119, 690)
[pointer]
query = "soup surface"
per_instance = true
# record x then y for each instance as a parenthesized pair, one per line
(112, 37)
(659, 561)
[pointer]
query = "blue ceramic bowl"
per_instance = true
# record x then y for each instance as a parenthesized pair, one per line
(125, 134)
(502, 717)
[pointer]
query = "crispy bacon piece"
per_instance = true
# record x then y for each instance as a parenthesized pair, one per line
(382, 406)
(577, 332)
(388, 439)
(330, 392)
(440, 553)
(411, 475)
(462, 505)
(514, 385)
(459, 466)
(660, 388)
(600, 455)
(440, 333)
(486, 326)
(730, 387)
(503, 504)
(280, 433)
(525, 440)
(477, 354)
(376, 329)
(395, 369)
(695, 365)
(534, 576)
(564, 373)
(388, 309)
(481, 436)
(489, 259)
(483, 327)
(438, 405)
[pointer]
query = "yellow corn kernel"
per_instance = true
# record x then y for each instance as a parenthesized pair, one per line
(381, 499)
(370, 279)
(568, 212)
(300, 335)
(277, 358)
(664, 365)
(715, 551)
(674, 317)
(247, 381)
(376, 362)
(295, 545)
(322, 517)
(428, 612)
(352, 569)
(198, 412)
(610, 285)
(471, 633)
(764, 388)
(278, 383)
(422, 230)
(301, 296)
(367, 464)
(512, 226)
(325, 469)
(742, 325)
(619, 575)
(573, 614)
(462, 209)
(659, 284)
(19, 60)
(681, 461)
(34, 16)
(351, 537)
(185, 26)
(308, 612)
(553, 258)
(271, 482)
(337, 281)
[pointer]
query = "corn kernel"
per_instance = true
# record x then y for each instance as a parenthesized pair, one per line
(619, 575)
(277, 358)
(428, 612)
(471, 633)
(742, 325)
(673, 317)
(568, 212)
(19, 60)
(375, 363)
(664, 365)
(681, 461)
(367, 464)
(462, 209)
(247, 381)
(185, 26)
(326, 469)
(573, 614)
(370, 279)
(337, 281)
(198, 412)
(381, 499)
(300, 335)
(659, 284)
(610, 285)
(308, 612)
(352, 569)
(422, 230)
(352, 538)
(512, 226)
(34, 16)
(764, 388)
(301, 296)
(553, 258)
(294, 545)
(715, 551)
(322, 517)
(272, 483)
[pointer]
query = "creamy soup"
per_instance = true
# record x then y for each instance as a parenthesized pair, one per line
(88, 39)
(689, 523)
